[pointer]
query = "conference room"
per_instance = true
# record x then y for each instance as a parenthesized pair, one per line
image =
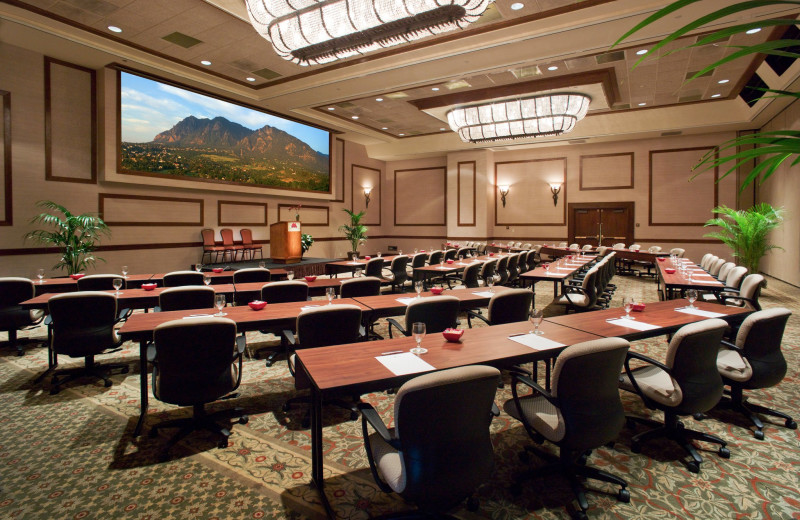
(473, 268)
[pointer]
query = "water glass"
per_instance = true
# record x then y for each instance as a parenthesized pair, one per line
(290, 275)
(40, 275)
(198, 267)
(418, 288)
(628, 303)
(536, 318)
(219, 303)
(330, 292)
(358, 273)
(262, 264)
(418, 331)
(206, 279)
(379, 254)
(490, 283)
(691, 295)
(124, 271)
(117, 284)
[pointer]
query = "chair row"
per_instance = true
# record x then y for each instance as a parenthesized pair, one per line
(247, 249)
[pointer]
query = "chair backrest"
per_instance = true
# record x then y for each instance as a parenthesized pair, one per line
(585, 383)
(586, 247)
(227, 236)
(435, 257)
(574, 246)
(437, 312)
(487, 269)
(99, 282)
(735, 277)
(751, 288)
(526, 245)
(677, 251)
(513, 262)
(470, 275)
(619, 245)
(208, 237)
(419, 260)
(450, 254)
(709, 262)
(722, 275)
(179, 278)
(602, 250)
(654, 249)
(714, 268)
(445, 464)
(13, 291)
(562, 244)
(635, 247)
(510, 306)
(692, 356)
(363, 286)
(374, 267)
(194, 360)
(398, 268)
(251, 274)
(83, 322)
(704, 260)
(247, 236)
(329, 325)
(285, 291)
(187, 297)
(760, 337)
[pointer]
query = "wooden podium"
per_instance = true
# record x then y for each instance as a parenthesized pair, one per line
(284, 242)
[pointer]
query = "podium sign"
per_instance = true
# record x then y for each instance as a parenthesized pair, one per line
(284, 242)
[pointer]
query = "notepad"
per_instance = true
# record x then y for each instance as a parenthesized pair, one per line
(306, 307)
(197, 316)
(484, 294)
(699, 312)
(633, 324)
(405, 363)
(406, 301)
(536, 342)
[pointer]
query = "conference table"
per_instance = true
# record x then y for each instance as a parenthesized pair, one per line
(669, 284)
(349, 266)
(385, 305)
(361, 368)
(556, 272)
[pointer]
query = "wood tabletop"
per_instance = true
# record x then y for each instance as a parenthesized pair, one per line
(700, 278)
(388, 304)
(355, 365)
(556, 271)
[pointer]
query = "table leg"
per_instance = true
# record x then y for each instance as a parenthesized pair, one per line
(317, 464)
(143, 389)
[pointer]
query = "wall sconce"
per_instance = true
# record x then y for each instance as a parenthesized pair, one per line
(503, 193)
(367, 192)
(555, 189)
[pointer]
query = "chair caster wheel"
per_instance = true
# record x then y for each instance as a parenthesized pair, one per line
(699, 416)
(268, 363)
(624, 496)
(758, 434)
(353, 415)
(693, 467)
(791, 424)
(222, 444)
(724, 452)
(636, 447)
(107, 383)
(125, 370)
(244, 420)
(472, 504)
(20, 353)
(580, 515)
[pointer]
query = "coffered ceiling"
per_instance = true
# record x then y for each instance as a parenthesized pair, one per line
(395, 100)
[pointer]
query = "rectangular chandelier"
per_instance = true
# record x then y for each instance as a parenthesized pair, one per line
(552, 114)
(312, 32)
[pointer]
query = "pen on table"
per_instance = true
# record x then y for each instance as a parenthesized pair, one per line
(520, 334)
(392, 352)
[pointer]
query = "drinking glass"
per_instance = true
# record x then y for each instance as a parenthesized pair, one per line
(490, 282)
(219, 303)
(330, 292)
(441, 263)
(536, 320)
(399, 251)
(416, 250)
(206, 279)
(418, 288)
(358, 272)
(418, 330)
(628, 303)
(290, 275)
(198, 267)
(117, 284)
(546, 268)
(691, 295)
(379, 254)
(40, 275)
(262, 264)
(353, 257)
(689, 276)
(124, 271)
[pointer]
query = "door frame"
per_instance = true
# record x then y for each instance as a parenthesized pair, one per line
(572, 206)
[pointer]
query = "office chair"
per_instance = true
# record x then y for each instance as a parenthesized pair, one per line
(179, 278)
(282, 292)
(184, 298)
(505, 307)
(437, 312)
(399, 273)
(13, 317)
(249, 275)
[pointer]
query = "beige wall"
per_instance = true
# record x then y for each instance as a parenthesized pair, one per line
(783, 189)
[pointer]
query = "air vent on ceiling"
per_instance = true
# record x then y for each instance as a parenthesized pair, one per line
(244, 64)
(266, 73)
(610, 57)
(345, 104)
(671, 132)
(689, 98)
(704, 75)
(396, 95)
(184, 40)
(527, 72)
(576, 141)
(751, 93)
(622, 106)
(781, 64)
(453, 85)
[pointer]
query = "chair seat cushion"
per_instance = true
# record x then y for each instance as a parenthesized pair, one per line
(389, 462)
(655, 384)
(574, 299)
(540, 414)
(733, 366)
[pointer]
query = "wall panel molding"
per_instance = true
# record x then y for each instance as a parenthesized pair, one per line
(8, 199)
(626, 184)
(249, 205)
(468, 209)
(421, 196)
(323, 213)
(151, 205)
(341, 153)
(375, 176)
(52, 137)
(684, 203)
(542, 195)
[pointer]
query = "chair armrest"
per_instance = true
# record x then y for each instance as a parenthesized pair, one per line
(241, 345)
(370, 415)
(635, 355)
(156, 309)
(731, 346)
(289, 336)
(473, 314)
(529, 382)
(735, 297)
(151, 352)
(123, 314)
(495, 410)
(394, 323)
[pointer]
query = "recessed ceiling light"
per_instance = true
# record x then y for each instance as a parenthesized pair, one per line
(642, 104)
(552, 67)
(251, 79)
(354, 117)
(379, 99)
(716, 95)
(516, 6)
(641, 51)
(442, 129)
(401, 134)
(435, 89)
(331, 108)
(114, 28)
(205, 62)
(723, 81)
(385, 128)
(753, 31)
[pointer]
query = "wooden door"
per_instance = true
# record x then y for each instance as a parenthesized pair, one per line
(602, 223)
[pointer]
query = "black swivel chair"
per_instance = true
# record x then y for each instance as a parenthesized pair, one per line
(179, 278)
(13, 317)
(398, 273)
(505, 307)
(282, 292)
(437, 312)
(196, 362)
(362, 286)
(468, 277)
(184, 298)
(250, 275)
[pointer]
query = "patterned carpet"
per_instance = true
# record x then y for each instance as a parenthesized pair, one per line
(72, 455)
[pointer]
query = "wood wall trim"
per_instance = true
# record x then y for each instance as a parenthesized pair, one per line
(8, 215)
(628, 186)
(102, 201)
(562, 195)
(444, 191)
(650, 187)
(474, 192)
(48, 123)
(327, 214)
(344, 144)
(353, 191)
(241, 203)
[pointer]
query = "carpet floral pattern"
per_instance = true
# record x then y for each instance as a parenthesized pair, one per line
(73, 455)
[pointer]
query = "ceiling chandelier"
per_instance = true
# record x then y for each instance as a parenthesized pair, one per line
(551, 114)
(311, 32)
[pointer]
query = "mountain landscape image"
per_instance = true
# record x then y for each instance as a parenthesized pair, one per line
(220, 149)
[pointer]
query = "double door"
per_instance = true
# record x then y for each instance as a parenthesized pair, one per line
(601, 223)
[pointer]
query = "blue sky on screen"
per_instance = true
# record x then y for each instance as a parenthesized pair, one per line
(151, 107)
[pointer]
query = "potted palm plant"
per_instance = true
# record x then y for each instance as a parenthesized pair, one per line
(76, 235)
(745, 231)
(355, 232)
(305, 243)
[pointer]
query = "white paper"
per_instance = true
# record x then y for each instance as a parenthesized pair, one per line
(354, 263)
(197, 316)
(308, 307)
(484, 294)
(698, 312)
(633, 324)
(536, 342)
(405, 363)
(405, 301)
